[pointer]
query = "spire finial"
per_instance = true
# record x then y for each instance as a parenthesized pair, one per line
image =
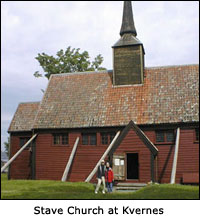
(127, 21)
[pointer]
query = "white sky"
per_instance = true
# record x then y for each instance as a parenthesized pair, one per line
(168, 30)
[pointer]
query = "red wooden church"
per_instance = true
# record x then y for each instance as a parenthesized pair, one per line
(143, 120)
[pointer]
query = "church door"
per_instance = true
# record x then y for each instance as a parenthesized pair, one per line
(119, 167)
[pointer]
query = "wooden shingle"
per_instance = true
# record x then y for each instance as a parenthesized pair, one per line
(168, 95)
(24, 117)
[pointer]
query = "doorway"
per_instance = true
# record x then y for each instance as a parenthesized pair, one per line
(132, 166)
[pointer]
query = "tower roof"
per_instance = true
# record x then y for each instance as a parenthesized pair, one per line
(128, 32)
(127, 20)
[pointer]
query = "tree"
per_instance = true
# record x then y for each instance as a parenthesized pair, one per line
(68, 61)
(7, 148)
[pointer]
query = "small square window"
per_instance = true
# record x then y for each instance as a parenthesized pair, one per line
(169, 136)
(23, 141)
(104, 138)
(60, 139)
(165, 136)
(112, 135)
(56, 139)
(85, 138)
(65, 139)
(89, 139)
(93, 139)
(160, 136)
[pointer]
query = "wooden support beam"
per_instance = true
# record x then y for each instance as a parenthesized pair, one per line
(18, 153)
(141, 135)
(173, 174)
(102, 158)
(65, 174)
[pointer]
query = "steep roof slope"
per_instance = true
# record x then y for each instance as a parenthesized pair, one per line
(24, 117)
(168, 95)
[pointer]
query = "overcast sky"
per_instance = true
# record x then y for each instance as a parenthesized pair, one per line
(168, 30)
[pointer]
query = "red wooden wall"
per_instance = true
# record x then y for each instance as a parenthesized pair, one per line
(163, 165)
(19, 168)
(133, 144)
(188, 157)
(51, 160)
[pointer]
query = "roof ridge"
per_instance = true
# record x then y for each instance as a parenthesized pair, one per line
(29, 102)
(41, 102)
(80, 73)
(167, 66)
(109, 71)
(17, 111)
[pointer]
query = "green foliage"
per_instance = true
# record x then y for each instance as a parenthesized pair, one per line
(46, 189)
(71, 60)
(6, 145)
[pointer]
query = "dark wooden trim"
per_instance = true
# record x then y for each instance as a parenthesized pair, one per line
(119, 139)
(10, 148)
(140, 134)
(81, 130)
(195, 135)
(152, 168)
(146, 127)
(21, 133)
(33, 164)
(168, 126)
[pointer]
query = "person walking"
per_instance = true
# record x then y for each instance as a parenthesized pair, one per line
(109, 177)
(101, 177)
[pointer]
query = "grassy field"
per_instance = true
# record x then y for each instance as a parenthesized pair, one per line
(28, 189)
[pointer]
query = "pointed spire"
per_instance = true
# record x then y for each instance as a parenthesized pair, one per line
(127, 21)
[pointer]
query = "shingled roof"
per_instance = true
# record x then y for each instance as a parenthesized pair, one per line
(24, 117)
(168, 95)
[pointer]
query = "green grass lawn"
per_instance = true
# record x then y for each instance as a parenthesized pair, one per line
(43, 189)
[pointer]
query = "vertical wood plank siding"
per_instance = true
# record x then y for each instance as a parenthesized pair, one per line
(133, 144)
(188, 158)
(19, 168)
(51, 160)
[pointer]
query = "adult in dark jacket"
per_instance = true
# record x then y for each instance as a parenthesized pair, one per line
(101, 177)
(109, 177)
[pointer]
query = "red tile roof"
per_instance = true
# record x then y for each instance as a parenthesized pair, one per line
(169, 95)
(24, 117)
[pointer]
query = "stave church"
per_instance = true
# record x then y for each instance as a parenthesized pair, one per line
(143, 120)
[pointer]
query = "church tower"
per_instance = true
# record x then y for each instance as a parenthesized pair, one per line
(128, 52)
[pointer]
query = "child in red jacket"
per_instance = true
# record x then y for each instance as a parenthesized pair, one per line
(109, 177)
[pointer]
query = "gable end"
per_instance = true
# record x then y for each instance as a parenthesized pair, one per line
(140, 134)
